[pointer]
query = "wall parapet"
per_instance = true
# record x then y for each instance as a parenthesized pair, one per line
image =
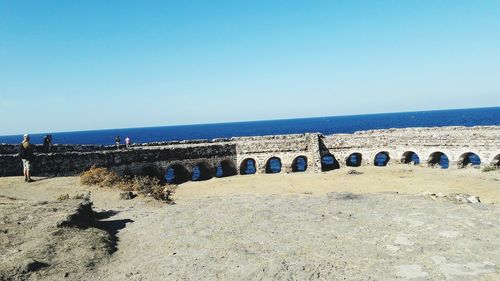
(456, 143)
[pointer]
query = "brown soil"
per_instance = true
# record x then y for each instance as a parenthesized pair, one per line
(280, 227)
(43, 240)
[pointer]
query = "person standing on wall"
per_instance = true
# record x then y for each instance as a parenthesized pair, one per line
(27, 156)
(50, 142)
(117, 142)
(46, 143)
(127, 142)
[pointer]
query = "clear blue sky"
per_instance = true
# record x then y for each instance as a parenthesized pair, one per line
(76, 65)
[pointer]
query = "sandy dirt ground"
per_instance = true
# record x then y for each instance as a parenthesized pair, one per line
(298, 227)
(44, 240)
(399, 178)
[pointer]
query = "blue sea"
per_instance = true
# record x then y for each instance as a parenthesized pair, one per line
(324, 125)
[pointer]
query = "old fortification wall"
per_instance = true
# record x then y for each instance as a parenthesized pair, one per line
(14, 148)
(285, 147)
(232, 154)
(455, 142)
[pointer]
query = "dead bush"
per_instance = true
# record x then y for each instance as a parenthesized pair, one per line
(147, 186)
(79, 196)
(63, 197)
(100, 176)
(143, 184)
(163, 193)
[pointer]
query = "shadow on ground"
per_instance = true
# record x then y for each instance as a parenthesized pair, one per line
(112, 227)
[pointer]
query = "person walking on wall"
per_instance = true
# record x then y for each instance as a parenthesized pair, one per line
(127, 142)
(46, 143)
(117, 142)
(27, 156)
(50, 142)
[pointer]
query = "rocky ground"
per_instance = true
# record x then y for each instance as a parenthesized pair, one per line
(43, 240)
(397, 224)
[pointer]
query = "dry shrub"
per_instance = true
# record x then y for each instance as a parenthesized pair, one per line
(151, 187)
(489, 168)
(163, 193)
(66, 196)
(144, 185)
(79, 196)
(63, 197)
(100, 176)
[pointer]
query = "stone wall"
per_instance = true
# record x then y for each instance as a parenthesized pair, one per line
(284, 147)
(155, 158)
(455, 142)
(133, 161)
(12, 149)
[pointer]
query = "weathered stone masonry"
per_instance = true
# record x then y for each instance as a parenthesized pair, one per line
(155, 158)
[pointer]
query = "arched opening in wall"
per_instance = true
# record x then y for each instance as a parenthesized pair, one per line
(439, 158)
(202, 171)
(151, 172)
(329, 163)
(354, 160)
(248, 167)
(410, 157)
(299, 164)
(273, 165)
(225, 168)
(381, 159)
(496, 161)
(469, 158)
(177, 174)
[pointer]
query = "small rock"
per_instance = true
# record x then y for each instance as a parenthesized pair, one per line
(459, 198)
(392, 248)
(38, 203)
(426, 193)
(343, 196)
(402, 240)
(31, 265)
(126, 195)
(87, 196)
(354, 172)
(473, 199)
(410, 272)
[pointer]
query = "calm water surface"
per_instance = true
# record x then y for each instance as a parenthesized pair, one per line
(324, 125)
